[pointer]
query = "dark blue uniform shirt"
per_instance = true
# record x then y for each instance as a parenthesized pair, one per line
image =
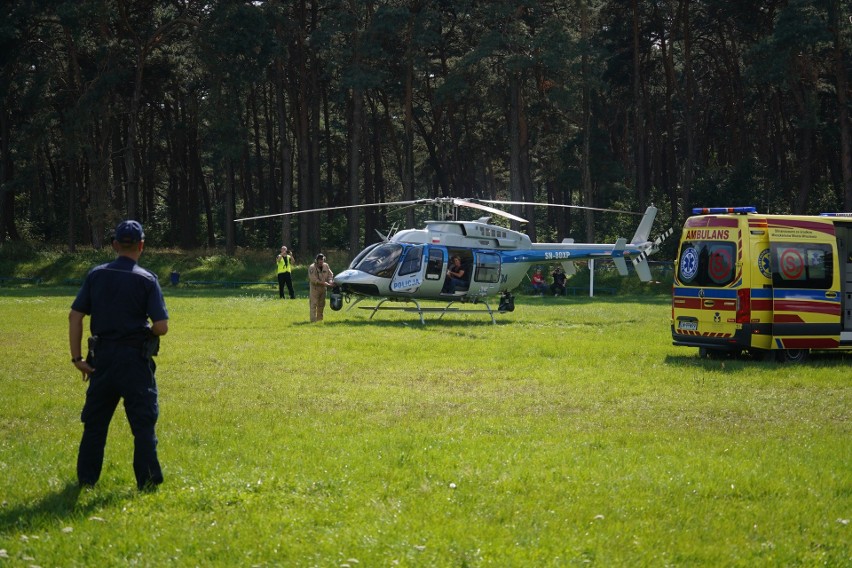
(123, 317)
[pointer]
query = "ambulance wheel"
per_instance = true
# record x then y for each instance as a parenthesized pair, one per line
(759, 354)
(792, 355)
(707, 353)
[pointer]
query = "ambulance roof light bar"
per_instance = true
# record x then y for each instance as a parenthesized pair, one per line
(835, 214)
(722, 210)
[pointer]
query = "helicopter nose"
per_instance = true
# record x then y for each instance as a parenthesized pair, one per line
(345, 276)
(357, 282)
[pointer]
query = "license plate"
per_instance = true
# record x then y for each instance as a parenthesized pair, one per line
(687, 325)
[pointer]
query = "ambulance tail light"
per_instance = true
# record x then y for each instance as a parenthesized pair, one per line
(744, 305)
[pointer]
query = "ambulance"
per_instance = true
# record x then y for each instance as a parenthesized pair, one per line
(768, 285)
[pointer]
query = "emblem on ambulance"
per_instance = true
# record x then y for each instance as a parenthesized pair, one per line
(763, 263)
(689, 264)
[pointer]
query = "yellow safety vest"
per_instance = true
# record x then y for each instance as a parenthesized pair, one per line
(283, 264)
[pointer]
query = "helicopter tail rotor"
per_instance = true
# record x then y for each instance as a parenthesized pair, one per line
(640, 263)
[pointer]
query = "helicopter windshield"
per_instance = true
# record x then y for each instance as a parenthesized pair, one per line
(380, 261)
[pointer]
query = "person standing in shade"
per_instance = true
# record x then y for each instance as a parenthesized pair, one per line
(128, 316)
(559, 279)
(285, 261)
(321, 278)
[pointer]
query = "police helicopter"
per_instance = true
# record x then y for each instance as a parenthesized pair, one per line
(416, 264)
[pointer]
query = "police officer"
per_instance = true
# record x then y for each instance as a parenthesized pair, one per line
(321, 278)
(120, 297)
(284, 260)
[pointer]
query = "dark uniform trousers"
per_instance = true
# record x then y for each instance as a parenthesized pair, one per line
(285, 278)
(121, 371)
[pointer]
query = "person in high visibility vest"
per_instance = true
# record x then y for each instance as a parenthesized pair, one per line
(285, 262)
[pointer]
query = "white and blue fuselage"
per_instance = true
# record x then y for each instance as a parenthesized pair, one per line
(413, 263)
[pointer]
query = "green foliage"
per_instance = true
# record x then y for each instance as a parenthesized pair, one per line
(251, 103)
(570, 433)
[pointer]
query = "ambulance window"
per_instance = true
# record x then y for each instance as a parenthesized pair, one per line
(435, 265)
(707, 263)
(720, 263)
(802, 265)
(411, 262)
(487, 268)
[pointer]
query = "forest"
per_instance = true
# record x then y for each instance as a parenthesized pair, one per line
(188, 114)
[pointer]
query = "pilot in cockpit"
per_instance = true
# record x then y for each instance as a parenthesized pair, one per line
(455, 276)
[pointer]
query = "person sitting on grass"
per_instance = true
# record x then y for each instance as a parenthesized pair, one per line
(539, 286)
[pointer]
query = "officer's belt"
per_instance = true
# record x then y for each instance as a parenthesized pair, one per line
(137, 342)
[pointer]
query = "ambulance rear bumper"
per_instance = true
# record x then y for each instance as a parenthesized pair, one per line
(737, 342)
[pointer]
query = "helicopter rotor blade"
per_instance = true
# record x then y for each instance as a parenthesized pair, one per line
(475, 205)
(302, 211)
(558, 205)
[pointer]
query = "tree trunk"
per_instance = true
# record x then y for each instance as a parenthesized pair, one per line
(7, 195)
(515, 183)
(688, 111)
(638, 117)
(132, 186)
(408, 126)
(356, 126)
(842, 80)
(284, 146)
(588, 197)
(230, 192)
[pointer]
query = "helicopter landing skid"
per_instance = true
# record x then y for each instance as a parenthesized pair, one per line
(420, 310)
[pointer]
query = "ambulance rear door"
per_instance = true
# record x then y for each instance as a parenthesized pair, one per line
(806, 291)
(707, 277)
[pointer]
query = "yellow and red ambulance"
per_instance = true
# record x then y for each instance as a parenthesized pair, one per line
(764, 284)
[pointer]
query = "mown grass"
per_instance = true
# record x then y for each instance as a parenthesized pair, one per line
(570, 433)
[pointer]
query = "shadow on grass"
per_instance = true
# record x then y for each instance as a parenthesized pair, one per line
(60, 504)
(301, 289)
(829, 359)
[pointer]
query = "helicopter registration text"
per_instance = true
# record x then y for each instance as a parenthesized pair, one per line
(405, 284)
(556, 255)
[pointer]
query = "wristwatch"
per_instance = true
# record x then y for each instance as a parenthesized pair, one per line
(77, 358)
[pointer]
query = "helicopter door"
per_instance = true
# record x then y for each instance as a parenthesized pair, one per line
(486, 274)
(409, 276)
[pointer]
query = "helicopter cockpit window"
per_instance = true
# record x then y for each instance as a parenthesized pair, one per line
(412, 261)
(380, 261)
(362, 254)
(487, 268)
(435, 266)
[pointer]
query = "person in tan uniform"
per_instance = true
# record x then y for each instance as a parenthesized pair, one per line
(321, 278)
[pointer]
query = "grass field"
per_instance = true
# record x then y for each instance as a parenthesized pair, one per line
(570, 433)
